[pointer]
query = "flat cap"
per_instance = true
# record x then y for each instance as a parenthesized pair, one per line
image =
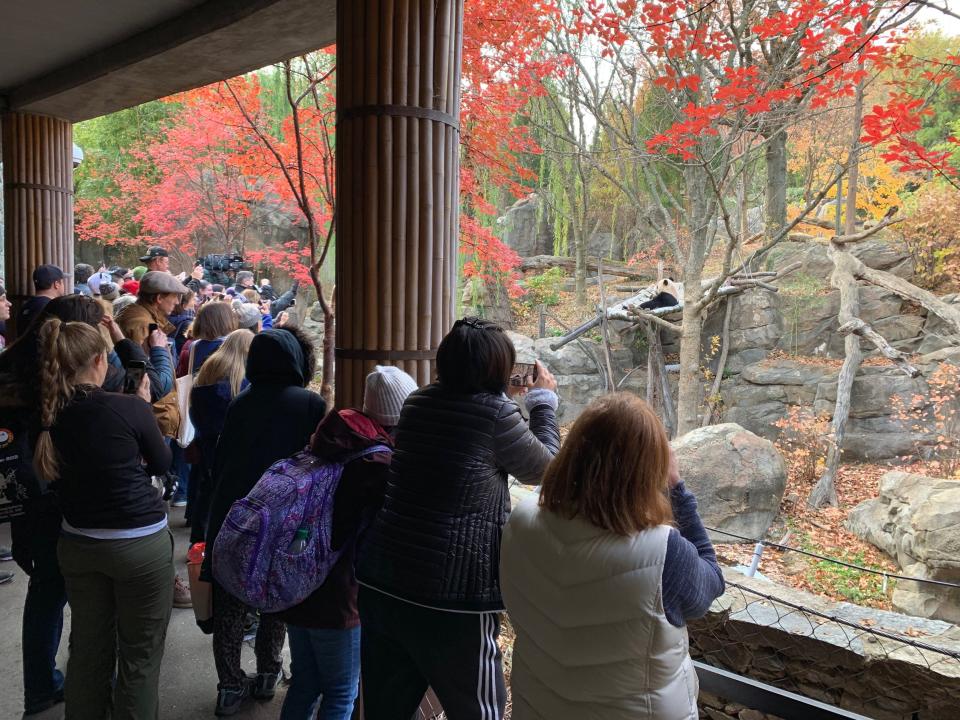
(157, 281)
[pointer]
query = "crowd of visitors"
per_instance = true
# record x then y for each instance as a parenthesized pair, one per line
(412, 548)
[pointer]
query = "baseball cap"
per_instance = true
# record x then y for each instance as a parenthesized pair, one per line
(131, 287)
(154, 251)
(46, 275)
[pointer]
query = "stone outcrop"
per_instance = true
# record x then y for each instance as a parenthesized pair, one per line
(738, 478)
(916, 520)
(522, 230)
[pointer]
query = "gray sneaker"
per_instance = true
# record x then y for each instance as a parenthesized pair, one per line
(5, 553)
(265, 685)
(229, 700)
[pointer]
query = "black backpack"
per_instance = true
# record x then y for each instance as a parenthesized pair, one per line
(18, 483)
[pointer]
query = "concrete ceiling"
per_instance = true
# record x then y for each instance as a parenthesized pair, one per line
(78, 59)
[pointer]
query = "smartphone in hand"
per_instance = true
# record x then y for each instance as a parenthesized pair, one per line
(521, 372)
(135, 370)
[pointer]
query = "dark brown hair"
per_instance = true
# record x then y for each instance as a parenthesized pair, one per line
(475, 356)
(613, 467)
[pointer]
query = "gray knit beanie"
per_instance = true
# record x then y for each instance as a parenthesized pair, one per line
(387, 387)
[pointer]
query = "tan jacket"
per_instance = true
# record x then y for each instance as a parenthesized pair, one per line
(134, 321)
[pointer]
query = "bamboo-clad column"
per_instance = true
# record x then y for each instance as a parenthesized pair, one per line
(398, 98)
(38, 198)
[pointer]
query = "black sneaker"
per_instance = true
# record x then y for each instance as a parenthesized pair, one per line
(265, 685)
(229, 700)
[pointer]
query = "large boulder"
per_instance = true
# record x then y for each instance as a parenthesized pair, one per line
(916, 519)
(738, 478)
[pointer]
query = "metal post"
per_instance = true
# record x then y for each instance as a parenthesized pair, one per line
(755, 562)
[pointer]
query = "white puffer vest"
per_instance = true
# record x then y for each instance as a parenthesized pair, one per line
(592, 640)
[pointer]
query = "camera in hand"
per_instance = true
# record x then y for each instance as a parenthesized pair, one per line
(221, 269)
(135, 370)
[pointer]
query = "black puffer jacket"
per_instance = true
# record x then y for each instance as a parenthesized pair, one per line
(436, 541)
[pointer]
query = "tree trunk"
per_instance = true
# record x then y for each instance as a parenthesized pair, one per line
(328, 347)
(776, 200)
(853, 164)
(580, 269)
(842, 278)
(702, 207)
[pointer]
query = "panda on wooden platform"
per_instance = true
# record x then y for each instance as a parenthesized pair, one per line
(668, 293)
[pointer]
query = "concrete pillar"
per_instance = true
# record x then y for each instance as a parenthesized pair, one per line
(398, 100)
(38, 198)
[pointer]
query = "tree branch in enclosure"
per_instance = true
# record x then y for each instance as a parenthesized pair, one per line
(899, 358)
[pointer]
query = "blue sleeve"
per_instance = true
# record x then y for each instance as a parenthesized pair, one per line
(161, 383)
(692, 579)
(266, 321)
(115, 360)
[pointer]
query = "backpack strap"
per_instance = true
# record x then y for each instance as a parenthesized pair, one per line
(372, 450)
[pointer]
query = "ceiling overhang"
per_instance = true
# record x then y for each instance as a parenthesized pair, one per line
(205, 43)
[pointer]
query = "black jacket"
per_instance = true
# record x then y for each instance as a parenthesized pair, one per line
(270, 420)
(436, 541)
(100, 438)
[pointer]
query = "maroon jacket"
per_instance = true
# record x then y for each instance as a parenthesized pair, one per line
(333, 606)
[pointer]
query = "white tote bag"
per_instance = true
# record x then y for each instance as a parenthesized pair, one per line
(184, 386)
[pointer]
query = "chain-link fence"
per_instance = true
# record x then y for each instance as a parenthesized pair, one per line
(881, 664)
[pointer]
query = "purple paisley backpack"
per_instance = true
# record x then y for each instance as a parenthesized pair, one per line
(252, 558)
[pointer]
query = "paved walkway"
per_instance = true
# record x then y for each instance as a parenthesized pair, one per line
(188, 680)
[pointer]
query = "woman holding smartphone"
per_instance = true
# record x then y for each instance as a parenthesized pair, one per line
(115, 550)
(430, 598)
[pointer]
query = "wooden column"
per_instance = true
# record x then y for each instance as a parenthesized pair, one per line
(38, 198)
(398, 99)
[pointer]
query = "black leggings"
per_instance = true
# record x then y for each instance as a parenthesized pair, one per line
(405, 648)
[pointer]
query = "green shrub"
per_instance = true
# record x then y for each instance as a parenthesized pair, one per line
(544, 289)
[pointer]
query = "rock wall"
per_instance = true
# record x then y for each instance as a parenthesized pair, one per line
(762, 630)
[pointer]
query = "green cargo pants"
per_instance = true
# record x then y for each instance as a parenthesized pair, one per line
(121, 594)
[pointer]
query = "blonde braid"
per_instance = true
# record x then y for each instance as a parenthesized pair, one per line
(45, 461)
(66, 349)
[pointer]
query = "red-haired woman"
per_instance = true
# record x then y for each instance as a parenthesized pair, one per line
(599, 584)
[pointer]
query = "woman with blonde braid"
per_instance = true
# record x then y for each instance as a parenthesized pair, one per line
(116, 552)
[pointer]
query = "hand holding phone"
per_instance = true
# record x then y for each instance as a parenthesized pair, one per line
(522, 373)
(135, 373)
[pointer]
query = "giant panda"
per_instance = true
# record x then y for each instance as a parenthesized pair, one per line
(668, 293)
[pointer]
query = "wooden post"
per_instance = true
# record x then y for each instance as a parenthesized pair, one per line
(37, 156)
(398, 97)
